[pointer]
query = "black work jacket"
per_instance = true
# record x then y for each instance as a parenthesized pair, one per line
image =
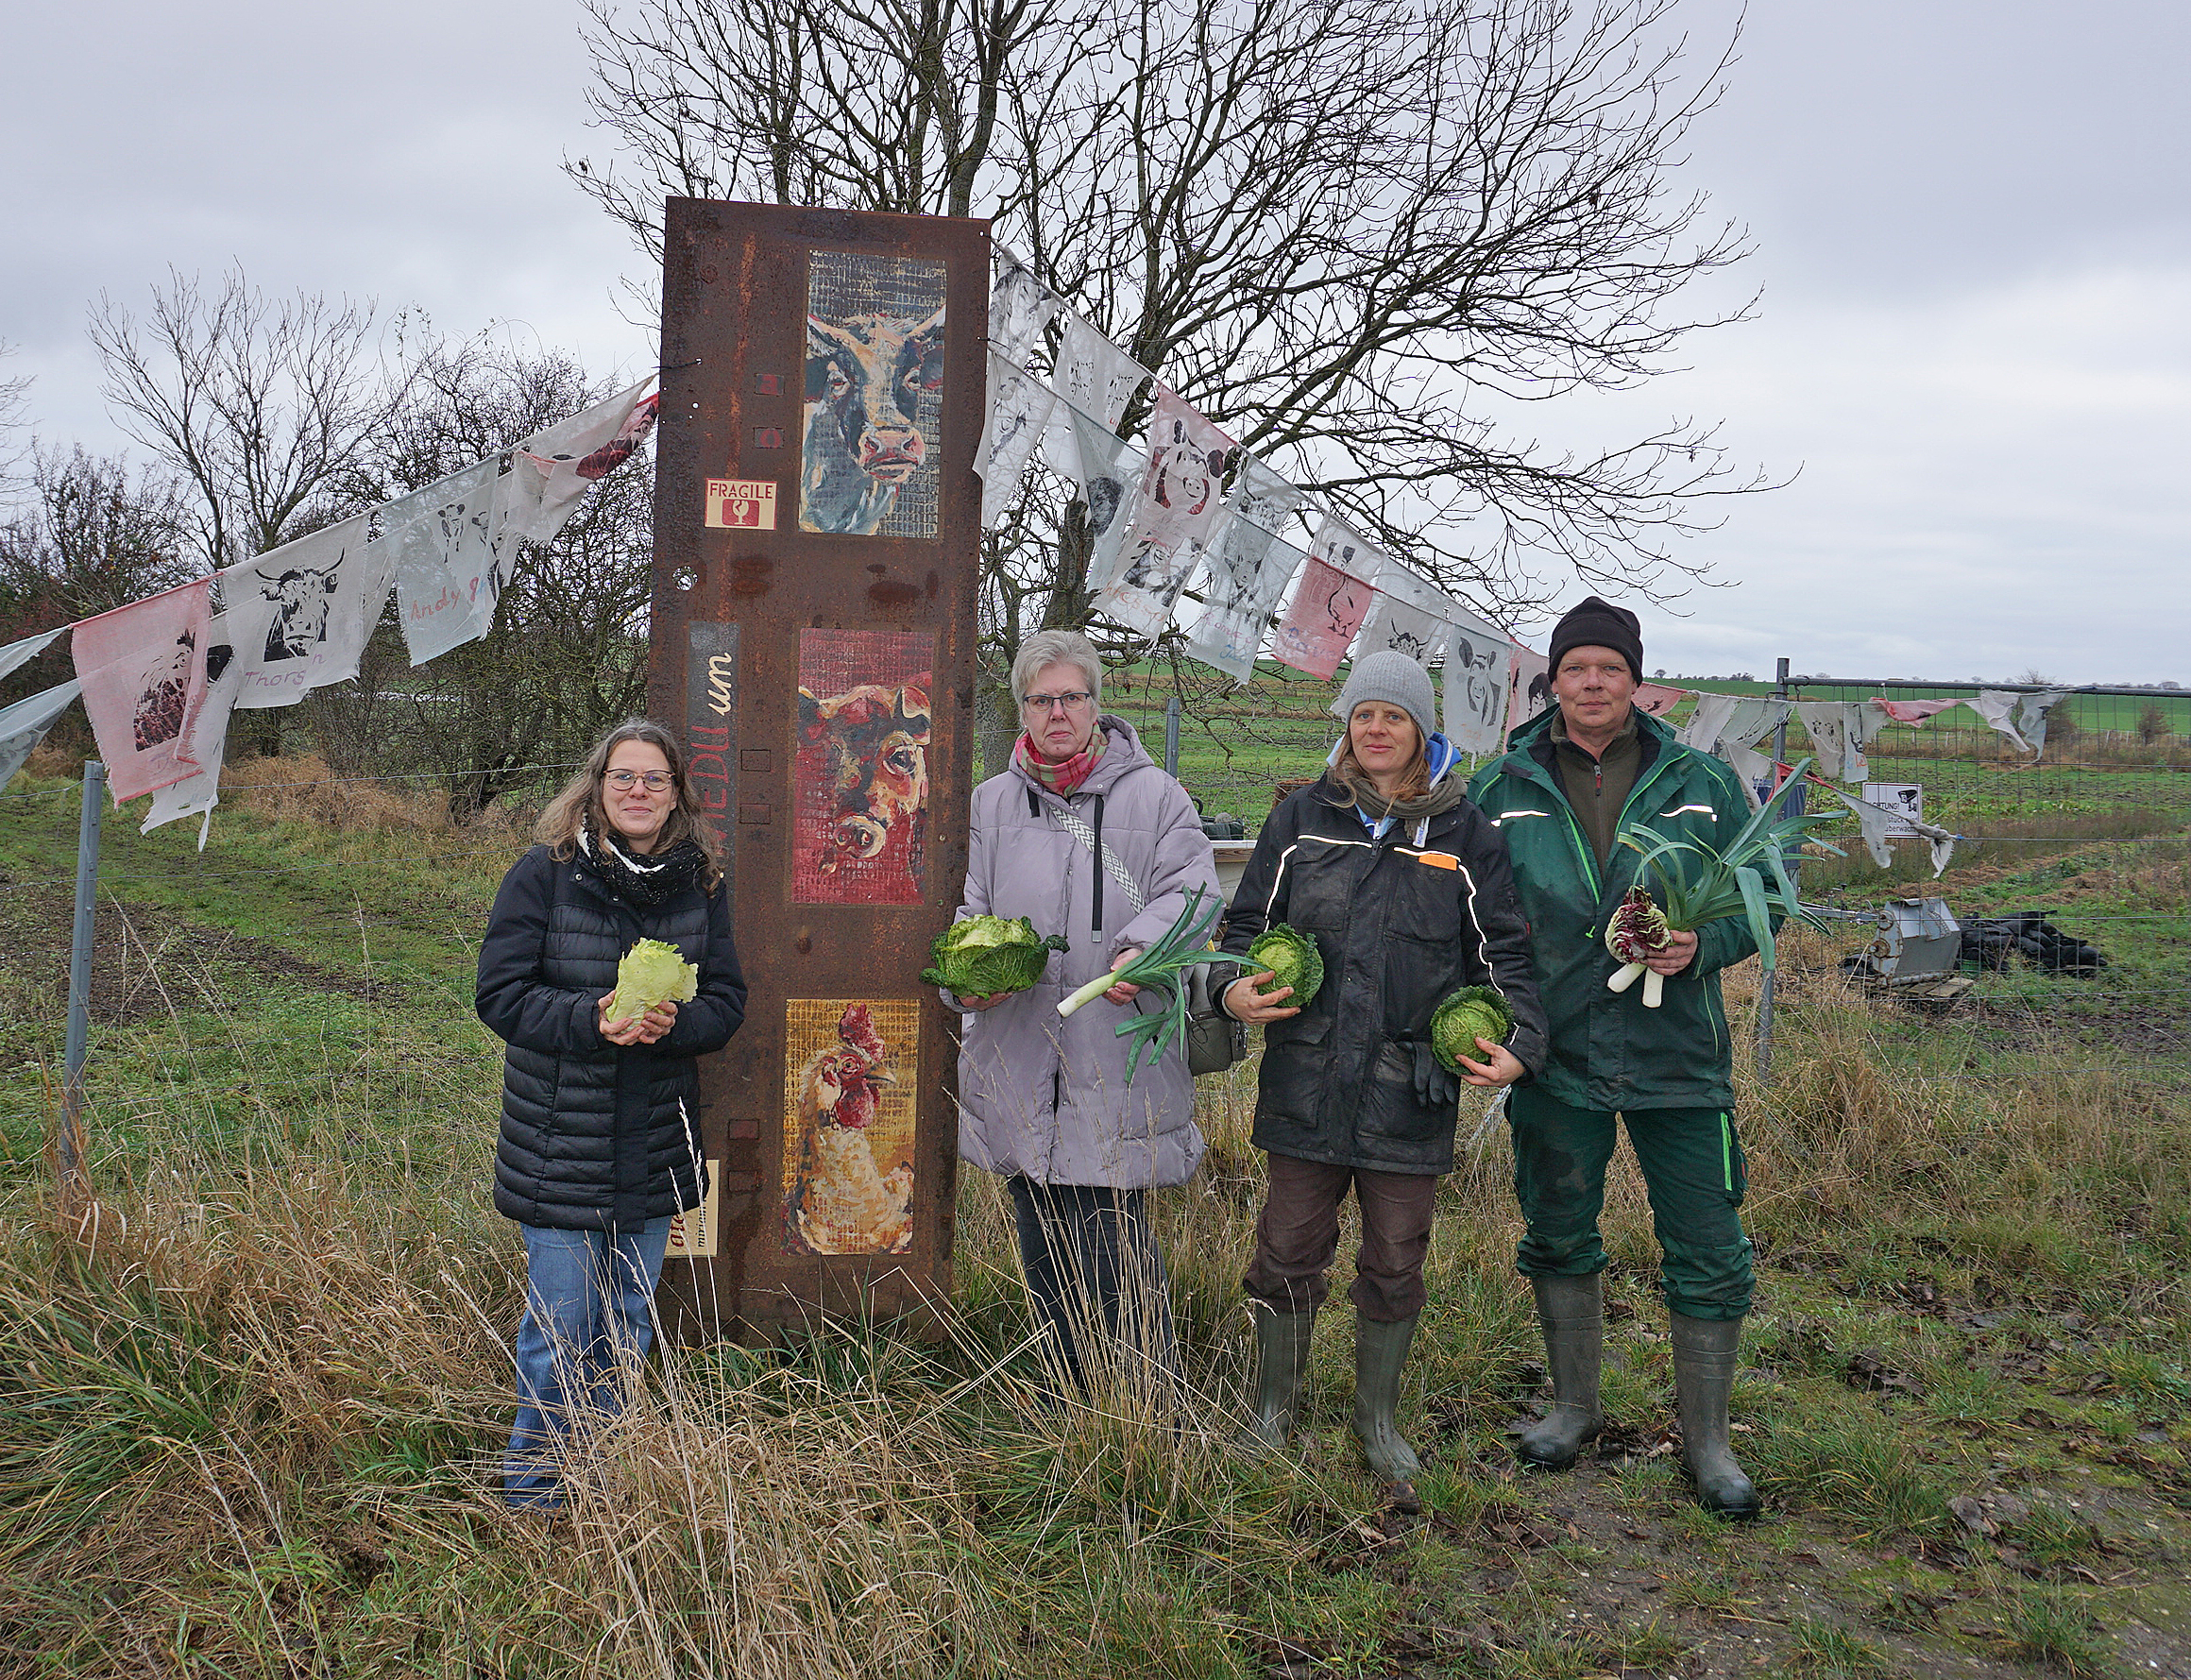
(1401, 923)
(596, 1136)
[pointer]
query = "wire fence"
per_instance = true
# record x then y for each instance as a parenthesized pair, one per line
(2070, 885)
(314, 964)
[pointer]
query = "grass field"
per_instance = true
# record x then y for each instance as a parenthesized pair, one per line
(247, 1413)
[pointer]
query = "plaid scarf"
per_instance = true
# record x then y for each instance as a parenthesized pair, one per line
(1061, 778)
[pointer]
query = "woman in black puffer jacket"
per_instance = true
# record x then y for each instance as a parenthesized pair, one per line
(600, 1142)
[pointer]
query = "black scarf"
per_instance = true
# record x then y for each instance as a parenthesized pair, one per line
(646, 880)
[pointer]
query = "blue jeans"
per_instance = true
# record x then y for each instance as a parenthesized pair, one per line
(1094, 1269)
(589, 1306)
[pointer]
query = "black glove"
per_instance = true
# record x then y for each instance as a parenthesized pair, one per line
(1435, 1085)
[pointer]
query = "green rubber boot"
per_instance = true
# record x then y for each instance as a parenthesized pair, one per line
(1379, 1352)
(1704, 1356)
(1282, 1355)
(1573, 1313)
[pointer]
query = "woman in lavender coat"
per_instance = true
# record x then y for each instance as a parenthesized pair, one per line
(1045, 1101)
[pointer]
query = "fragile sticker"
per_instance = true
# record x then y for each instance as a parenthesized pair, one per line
(741, 505)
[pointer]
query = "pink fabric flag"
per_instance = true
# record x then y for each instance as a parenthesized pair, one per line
(1530, 688)
(143, 671)
(1913, 711)
(1336, 588)
(1658, 698)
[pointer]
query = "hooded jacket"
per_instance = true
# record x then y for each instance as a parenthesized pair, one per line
(1608, 1052)
(597, 1136)
(1402, 918)
(1045, 1097)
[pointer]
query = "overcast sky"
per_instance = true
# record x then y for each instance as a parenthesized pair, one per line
(1973, 238)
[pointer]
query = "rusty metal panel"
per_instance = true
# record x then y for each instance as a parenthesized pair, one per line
(816, 541)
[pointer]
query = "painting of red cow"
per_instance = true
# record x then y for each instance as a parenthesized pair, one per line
(874, 376)
(861, 797)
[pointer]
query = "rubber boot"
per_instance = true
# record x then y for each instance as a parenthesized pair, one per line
(1704, 1354)
(1572, 1312)
(1379, 1352)
(1282, 1355)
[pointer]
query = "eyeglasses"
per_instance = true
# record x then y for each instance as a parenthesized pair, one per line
(654, 781)
(1077, 701)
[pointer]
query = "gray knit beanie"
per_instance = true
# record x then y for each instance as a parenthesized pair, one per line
(1395, 679)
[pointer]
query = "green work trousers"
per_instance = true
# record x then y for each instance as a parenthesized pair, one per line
(1692, 1167)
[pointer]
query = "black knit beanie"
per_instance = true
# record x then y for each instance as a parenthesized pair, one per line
(1600, 624)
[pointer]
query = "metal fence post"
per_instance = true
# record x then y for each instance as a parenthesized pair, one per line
(1765, 985)
(68, 1144)
(1172, 736)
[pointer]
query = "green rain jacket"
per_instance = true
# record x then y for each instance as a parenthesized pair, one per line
(1608, 1052)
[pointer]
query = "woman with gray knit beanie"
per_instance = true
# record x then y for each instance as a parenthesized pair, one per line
(1405, 887)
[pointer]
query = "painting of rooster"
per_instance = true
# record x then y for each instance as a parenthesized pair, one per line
(847, 1112)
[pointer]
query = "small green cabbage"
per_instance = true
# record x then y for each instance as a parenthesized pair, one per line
(988, 955)
(652, 973)
(1471, 1014)
(1292, 959)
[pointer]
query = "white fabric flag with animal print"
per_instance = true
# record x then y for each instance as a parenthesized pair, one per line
(24, 724)
(449, 541)
(1836, 731)
(1479, 670)
(245, 612)
(322, 595)
(1250, 566)
(1997, 706)
(1020, 406)
(1096, 377)
(1020, 306)
(143, 671)
(1104, 465)
(2031, 717)
(1408, 617)
(567, 458)
(1169, 521)
(1530, 689)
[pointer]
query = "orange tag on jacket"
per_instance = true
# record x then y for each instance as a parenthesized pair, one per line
(1439, 859)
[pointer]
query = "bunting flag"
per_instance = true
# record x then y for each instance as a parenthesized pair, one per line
(16, 655)
(1658, 698)
(1836, 728)
(1020, 306)
(1878, 825)
(1337, 587)
(1095, 380)
(143, 671)
(1528, 687)
(1997, 706)
(1913, 711)
(245, 619)
(1250, 566)
(1019, 405)
(448, 541)
(1741, 718)
(1751, 768)
(1102, 464)
(1169, 523)
(24, 724)
(1478, 675)
(568, 456)
(2031, 717)
(321, 597)
(1408, 617)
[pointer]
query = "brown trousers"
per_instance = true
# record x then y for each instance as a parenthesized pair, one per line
(1299, 1234)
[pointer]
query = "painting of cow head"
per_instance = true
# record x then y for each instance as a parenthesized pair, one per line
(865, 377)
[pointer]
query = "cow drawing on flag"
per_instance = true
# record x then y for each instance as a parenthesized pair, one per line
(301, 597)
(1170, 521)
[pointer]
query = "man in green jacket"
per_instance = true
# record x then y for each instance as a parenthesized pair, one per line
(1591, 769)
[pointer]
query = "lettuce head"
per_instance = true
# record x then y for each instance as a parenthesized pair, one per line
(986, 955)
(652, 973)
(1293, 959)
(1468, 1014)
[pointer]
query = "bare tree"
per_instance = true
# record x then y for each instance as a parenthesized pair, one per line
(259, 404)
(566, 653)
(1356, 234)
(15, 417)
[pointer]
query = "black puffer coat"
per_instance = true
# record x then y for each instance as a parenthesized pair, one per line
(598, 1137)
(1402, 922)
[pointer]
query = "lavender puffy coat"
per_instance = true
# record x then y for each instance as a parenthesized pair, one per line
(1047, 1097)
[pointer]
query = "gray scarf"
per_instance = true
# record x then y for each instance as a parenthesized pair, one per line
(1446, 792)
